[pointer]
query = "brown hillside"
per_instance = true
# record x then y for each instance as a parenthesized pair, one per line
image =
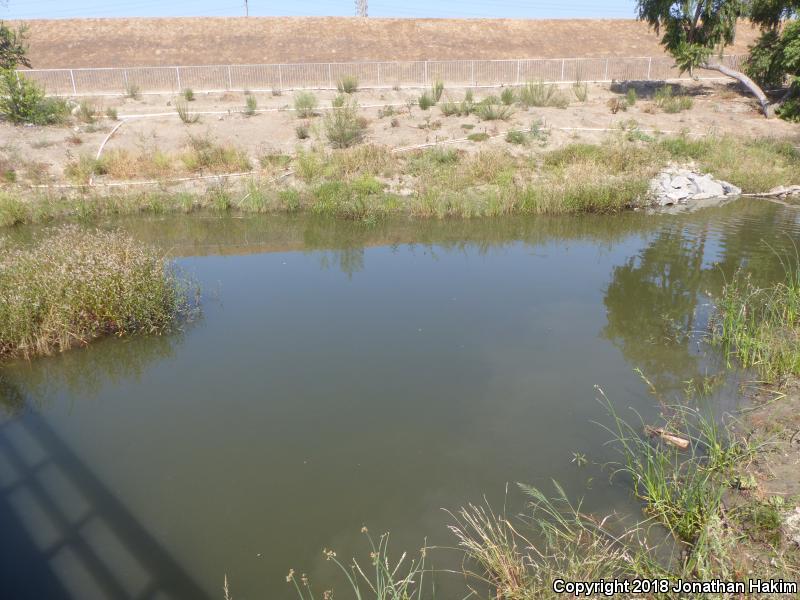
(238, 40)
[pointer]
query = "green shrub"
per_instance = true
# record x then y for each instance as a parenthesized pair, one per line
(188, 94)
(23, 101)
(111, 113)
(450, 108)
(343, 126)
(507, 96)
(304, 104)
(517, 137)
(86, 111)
(132, 91)
(301, 131)
(478, 137)
(122, 288)
(541, 94)
(493, 112)
(630, 96)
(425, 101)
(250, 105)
(347, 84)
(581, 91)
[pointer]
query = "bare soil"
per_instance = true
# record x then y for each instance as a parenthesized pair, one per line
(38, 155)
(72, 43)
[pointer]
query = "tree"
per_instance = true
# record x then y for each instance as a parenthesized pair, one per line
(13, 47)
(695, 29)
(776, 55)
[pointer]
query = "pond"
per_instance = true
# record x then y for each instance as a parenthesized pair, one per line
(345, 375)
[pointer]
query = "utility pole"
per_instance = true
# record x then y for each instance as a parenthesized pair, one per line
(361, 8)
(246, 9)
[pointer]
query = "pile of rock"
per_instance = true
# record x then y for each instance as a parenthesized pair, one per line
(680, 185)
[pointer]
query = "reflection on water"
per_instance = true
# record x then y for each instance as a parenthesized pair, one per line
(345, 375)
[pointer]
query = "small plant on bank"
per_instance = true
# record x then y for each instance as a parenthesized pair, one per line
(541, 94)
(339, 101)
(185, 115)
(478, 137)
(670, 102)
(86, 111)
(250, 105)
(347, 84)
(517, 137)
(23, 101)
(188, 94)
(132, 91)
(72, 286)
(425, 101)
(616, 104)
(277, 92)
(111, 113)
(343, 126)
(301, 131)
(490, 111)
(305, 103)
(631, 97)
(581, 91)
(507, 96)
(436, 90)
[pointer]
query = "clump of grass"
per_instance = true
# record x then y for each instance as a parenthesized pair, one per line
(188, 94)
(305, 103)
(185, 115)
(383, 578)
(507, 96)
(86, 111)
(760, 326)
(631, 97)
(347, 84)
(436, 90)
(204, 155)
(250, 105)
(478, 137)
(450, 108)
(517, 137)
(82, 169)
(339, 101)
(301, 131)
(491, 111)
(581, 91)
(616, 104)
(111, 113)
(133, 91)
(425, 101)
(73, 286)
(343, 126)
(541, 94)
(670, 102)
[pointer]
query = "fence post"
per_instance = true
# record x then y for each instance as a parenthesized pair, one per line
(425, 82)
(280, 78)
(72, 78)
(472, 74)
(379, 74)
(517, 71)
(230, 79)
(178, 77)
(562, 69)
(330, 76)
(649, 66)
(605, 78)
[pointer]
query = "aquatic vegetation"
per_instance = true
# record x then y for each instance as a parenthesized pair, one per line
(73, 286)
(760, 326)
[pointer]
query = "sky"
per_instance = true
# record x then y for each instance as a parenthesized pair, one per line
(526, 9)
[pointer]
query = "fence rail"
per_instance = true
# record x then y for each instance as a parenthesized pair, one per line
(475, 73)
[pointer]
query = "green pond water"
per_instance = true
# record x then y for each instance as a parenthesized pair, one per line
(344, 375)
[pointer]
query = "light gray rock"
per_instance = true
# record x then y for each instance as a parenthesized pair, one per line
(676, 186)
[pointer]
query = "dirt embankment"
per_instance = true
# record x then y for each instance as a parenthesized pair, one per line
(256, 40)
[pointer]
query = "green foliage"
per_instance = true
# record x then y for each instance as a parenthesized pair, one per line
(185, 115)
(478, 137)
(347, 84)
(13, 47)
(133, 91)
(692, 30)
(188, 94)
(581, 91)
(507, 96)
(631, 97)
(301, 131)
(775, 58)
(339, 101)
(305, 103)
(23, 101)
(425, 101)
(343, 126)
(516, 137)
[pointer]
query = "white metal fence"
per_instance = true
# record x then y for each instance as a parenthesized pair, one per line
(476, 73)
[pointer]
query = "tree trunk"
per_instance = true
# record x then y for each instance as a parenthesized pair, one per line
(745, 81)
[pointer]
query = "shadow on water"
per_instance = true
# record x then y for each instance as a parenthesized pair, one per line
(65, 534)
